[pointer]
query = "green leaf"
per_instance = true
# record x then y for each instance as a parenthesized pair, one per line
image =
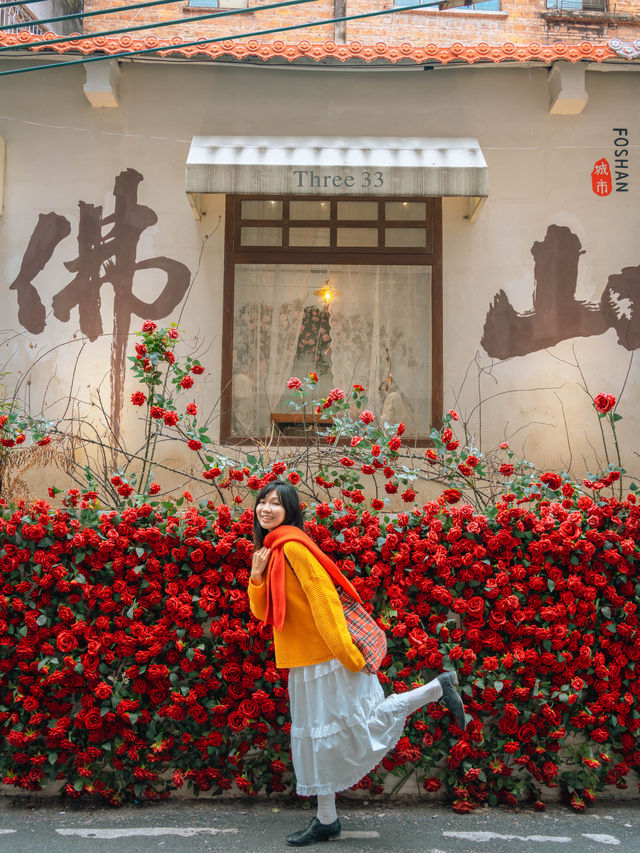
(551, 584)
(139, 551)
(53, 757)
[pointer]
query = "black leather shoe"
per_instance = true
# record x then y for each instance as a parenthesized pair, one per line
(451, 698)
(316, 831)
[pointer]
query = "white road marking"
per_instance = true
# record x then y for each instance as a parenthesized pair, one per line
(7, 831)
(364, 834)
(603, 839)
(182, 831)
(496, 836)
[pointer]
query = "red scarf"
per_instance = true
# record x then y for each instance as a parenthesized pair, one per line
(276, 596)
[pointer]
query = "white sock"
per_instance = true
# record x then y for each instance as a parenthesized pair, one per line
(421, 696)
(327, 808)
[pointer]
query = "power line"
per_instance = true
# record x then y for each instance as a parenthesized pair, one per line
(202, 42)
(170, 23)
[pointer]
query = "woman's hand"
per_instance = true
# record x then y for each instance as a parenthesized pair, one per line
(259, 564)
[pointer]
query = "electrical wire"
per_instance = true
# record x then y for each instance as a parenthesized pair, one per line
(218, 39)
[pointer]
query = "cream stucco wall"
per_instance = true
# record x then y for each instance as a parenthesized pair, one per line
(61, 150)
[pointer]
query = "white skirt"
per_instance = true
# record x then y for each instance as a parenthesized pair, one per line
(341, 726)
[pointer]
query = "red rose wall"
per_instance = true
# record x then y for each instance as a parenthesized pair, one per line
(131, 665)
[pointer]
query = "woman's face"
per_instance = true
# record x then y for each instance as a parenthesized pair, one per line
(270, 511)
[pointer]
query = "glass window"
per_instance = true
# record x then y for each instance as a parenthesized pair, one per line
(309, 237)
(261, 236)
(405, 210)
(357, 210)
(261, 209)
(357, 237)
(309, 210)
(405, 237)
(375, 329)
(462, 5)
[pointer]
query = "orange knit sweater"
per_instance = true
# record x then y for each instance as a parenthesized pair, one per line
(314, 628)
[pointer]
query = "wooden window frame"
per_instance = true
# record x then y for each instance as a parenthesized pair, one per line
(235, 254)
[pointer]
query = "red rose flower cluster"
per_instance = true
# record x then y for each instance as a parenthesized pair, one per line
(130, 664)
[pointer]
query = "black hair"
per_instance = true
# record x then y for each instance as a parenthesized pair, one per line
(290, 501)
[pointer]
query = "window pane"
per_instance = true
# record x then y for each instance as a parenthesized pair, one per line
(399, 237)
(357, 210)
(309, 236)
(357, 236)
(261, 209)
(405, 210)
(374, 330)
(261, 236)
(309, 210)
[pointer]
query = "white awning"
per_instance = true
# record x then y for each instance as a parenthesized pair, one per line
(305, 165)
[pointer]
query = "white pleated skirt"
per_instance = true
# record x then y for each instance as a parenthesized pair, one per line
(341, 726)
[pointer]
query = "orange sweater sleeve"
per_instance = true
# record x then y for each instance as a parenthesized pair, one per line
(258, 599)
(324, 602)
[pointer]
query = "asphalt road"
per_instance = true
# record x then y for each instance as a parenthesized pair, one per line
(200, 826)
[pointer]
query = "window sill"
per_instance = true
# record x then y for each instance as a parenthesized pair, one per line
(459, 13)
(584, 16)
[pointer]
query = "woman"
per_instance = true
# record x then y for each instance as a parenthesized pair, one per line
(341, 723)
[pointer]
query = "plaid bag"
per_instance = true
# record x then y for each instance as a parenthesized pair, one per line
(365, 632)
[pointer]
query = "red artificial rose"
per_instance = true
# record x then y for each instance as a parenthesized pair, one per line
(138, 398)
(192, 409)
(171, 418)
(46, 439)
(66, 642)
(553, 481)
(294, 478)
(149, 326)
(323, 510)
(451, 496)
(125, 490)
(313, 377)
(408, 495)
(376, 503)
(506, 469)
(194, 444)
(604, 403)
(154, 488)
(294, 384)
(186, 382)
(395, 443)
(197, 369)
(367, 417)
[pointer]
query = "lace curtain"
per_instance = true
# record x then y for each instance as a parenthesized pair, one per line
(380, 336)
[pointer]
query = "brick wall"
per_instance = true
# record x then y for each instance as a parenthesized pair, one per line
(520, 22)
